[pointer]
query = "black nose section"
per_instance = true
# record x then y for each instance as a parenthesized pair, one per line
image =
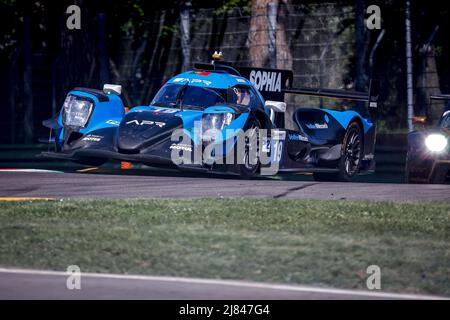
(140, 130)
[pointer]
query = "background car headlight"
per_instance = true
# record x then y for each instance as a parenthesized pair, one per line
(76, 111)
(436, 142)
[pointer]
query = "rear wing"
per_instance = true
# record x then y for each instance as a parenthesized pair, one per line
(371, 97)
(274, 83)
(442, 97)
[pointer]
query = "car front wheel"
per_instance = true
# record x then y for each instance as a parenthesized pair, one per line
(250, 162)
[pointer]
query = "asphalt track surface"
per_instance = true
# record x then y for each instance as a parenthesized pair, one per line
(173, 185)
(31, 284)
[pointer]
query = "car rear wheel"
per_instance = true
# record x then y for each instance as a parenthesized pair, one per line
(351, 157)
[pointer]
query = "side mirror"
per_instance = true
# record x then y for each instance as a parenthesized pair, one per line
(112, 88)
(275, 106)
(419, 120)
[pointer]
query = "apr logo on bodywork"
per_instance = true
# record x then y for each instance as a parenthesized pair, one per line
(205, 82)
(266, 81)
(147, 122)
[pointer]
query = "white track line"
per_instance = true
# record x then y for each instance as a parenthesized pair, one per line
(234, 283)
(29, 170)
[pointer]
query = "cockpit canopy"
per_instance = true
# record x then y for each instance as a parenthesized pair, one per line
(445, 120)
(199, 98)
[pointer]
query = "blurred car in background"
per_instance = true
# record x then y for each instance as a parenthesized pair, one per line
(428, 156)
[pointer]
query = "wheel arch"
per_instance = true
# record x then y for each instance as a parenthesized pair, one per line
(263, 118)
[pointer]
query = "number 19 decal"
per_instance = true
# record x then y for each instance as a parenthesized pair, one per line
(277, 151)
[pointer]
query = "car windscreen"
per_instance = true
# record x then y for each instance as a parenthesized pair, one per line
(445, 120)
(193, 96)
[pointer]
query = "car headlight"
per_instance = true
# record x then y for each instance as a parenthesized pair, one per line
(76, 111)
(436, 142)
(213, 122)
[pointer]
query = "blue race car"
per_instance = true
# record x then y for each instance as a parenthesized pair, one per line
(218, 118)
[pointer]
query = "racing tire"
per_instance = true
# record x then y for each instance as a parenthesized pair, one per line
(249, 169)
(349, 163)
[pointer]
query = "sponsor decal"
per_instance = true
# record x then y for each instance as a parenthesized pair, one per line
(114, 122)
(278, 135)
(92, 137)
(181, 146)
(317, 126)
(147, 122)
(297, 137)
(266, 81)
(205, 82)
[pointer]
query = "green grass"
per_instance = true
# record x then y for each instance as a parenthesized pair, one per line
(324, 243)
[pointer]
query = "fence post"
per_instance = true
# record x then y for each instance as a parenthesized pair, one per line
(27, 80)
(12, 95)
(103, 49)
(272, 9)
(185, 36)
(409, 66)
